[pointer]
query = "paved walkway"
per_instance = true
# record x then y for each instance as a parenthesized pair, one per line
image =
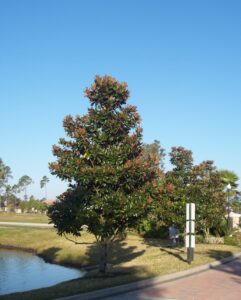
(221, 283)
(24, 224)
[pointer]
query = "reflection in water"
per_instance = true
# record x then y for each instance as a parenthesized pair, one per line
(22, 271)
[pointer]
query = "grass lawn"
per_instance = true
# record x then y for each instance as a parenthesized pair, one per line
(26, 217)
(133, 259)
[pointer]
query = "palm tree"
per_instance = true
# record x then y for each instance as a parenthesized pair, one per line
(229, 177)
(43, 183)
(23, 182)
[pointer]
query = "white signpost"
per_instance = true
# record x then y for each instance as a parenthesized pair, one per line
(190, 231)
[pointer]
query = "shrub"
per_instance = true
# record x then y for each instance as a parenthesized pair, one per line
(151, 229)
(200, 239)
(231, 241)
(221, 229)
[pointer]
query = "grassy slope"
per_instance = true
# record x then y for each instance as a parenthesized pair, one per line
(29, 218)
(133, 259)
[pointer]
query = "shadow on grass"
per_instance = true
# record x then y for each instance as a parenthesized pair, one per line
(175, 254)
(50, 254)
(165, 247)
(153, 242)
(219, 254)
(118, 253)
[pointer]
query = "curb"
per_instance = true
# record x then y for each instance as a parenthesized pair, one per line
(107, 292)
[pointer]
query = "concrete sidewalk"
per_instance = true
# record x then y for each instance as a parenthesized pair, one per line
(24, 224)
(144, 289)
(220, 283)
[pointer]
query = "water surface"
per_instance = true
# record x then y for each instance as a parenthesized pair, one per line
(21, 271)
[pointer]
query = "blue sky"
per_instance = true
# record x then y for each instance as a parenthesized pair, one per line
(181, 60)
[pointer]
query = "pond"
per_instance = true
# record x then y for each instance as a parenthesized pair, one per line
(21, 271)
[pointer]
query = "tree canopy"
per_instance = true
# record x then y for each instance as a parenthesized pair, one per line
(23, 183)
(187, 183)
(110, 186)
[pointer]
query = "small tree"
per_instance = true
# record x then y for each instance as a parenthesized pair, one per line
(110, 185)
(150, 224)
(43, 183)
(23, 183)
(206, 190)
(9, 197)
(154, 152)
(175, 188)
(200, 184)
(5, 174)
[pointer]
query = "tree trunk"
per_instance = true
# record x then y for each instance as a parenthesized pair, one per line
(103, 257)
(207, 232)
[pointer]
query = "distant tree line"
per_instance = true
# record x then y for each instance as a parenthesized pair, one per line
(9, 194)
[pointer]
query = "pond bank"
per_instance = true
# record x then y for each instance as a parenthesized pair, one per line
(49, 259)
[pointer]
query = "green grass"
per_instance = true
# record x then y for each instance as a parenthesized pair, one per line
(133, 259)
(26, 217)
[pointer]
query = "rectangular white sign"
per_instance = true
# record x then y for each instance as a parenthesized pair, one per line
(192, 226)
(190, 211)
(192, 241)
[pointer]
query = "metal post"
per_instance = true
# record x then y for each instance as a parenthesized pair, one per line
(190, 219)
(190, 249)
(228, 191)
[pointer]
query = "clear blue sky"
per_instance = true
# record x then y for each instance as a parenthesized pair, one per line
(181, 60)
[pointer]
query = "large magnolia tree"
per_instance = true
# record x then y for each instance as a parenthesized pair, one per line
(110, 185)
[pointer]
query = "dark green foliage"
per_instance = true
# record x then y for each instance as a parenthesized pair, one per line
(174, 188)
(200, 239)
(151, 229)
(200, 184)
(182, 161)
(206, 190)
(111, 187)
(229, 177)
(220, 228)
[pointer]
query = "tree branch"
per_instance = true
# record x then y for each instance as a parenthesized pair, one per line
(74, 241)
